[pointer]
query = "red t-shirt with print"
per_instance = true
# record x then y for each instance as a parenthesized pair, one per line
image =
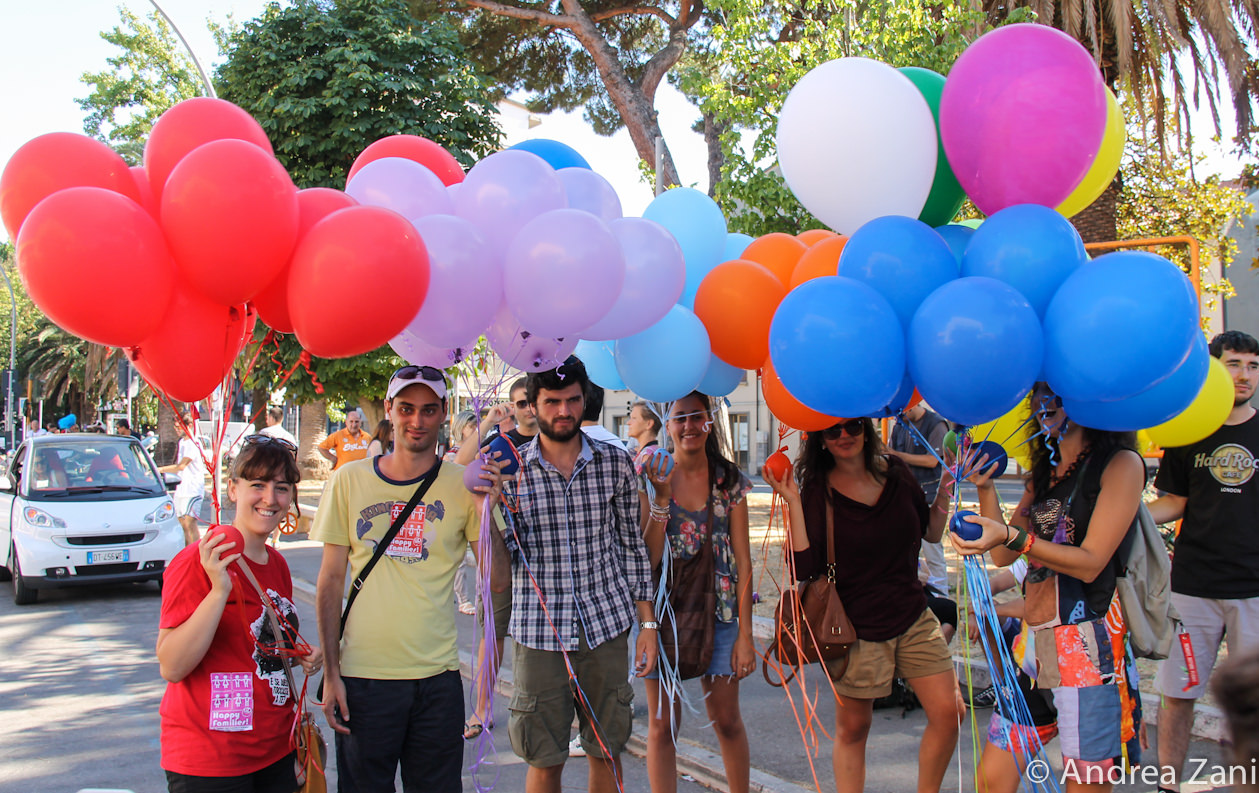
(233, 713)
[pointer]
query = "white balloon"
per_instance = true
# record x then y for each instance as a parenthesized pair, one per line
(857, 141)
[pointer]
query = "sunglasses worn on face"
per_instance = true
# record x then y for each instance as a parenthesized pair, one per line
(853, 427)
(522, 403)
(260, 439)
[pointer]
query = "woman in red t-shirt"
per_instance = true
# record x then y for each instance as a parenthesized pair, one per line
(228, 710)
(880, 518)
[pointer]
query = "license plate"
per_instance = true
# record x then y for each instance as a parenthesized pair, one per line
(101, 557)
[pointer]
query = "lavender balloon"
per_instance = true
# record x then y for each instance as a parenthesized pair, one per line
(421, 353)
(562, 272)
(655, 275)
(505, 191)
(589, 191)
(465, 282)
(404, 186)
(524, 350)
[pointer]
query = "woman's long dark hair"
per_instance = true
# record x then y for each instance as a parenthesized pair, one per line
(1043, 451)
(814, 461)
(720, 466)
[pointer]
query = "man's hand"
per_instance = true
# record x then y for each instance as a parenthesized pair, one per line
(335, 709)
(645, 651)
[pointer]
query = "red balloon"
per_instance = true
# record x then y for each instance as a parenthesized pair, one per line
(193, 348)
(230, 214)
(314, 204)
(412, 147)
(52, 162)
(96, 264)
(145, 191)
(190, 124)
(359, 245)
(778, 464)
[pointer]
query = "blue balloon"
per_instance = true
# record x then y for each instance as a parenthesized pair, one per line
(600, 365)
(506, 451)
(558, 155)
(838, 347)
(899, 400)
(1030, 247)
(902, 258)
(696, 222)
(957, 238)
(964, 528)
(736, 243)
(997, 460)
(668, 360)
(67, 421)
(1118, 325)
(1152, 406)
(721, 378)
(975, 347)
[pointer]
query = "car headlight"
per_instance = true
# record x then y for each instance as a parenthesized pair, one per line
(42, 520)
(165, 512)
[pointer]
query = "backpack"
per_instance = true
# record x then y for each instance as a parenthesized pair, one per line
(1144, 585)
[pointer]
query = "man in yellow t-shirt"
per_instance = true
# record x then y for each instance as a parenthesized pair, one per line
(346, 445)
(392, 689)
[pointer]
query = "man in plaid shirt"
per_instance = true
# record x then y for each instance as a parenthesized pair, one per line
(580, 578)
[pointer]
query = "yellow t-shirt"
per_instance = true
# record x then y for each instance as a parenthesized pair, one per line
(348, 449)
(402, 626)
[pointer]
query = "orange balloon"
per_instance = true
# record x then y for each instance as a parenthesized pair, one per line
(814, 236)
(736, 302)
(819, 260)
(913, 400)
(777, 251)
(786, 408)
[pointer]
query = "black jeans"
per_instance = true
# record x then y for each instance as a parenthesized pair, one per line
(418, 723)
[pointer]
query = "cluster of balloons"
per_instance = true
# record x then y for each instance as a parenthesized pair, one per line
(174, 260)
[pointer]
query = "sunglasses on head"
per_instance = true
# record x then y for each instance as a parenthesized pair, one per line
(260, 439)
(853, 427)
(429, 373)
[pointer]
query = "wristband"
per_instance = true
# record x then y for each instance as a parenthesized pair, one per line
(1020, 538)
(1031, 540)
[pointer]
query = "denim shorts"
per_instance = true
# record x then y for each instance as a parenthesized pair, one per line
(723, 648)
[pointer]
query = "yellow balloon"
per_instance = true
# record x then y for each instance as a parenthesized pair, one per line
(1011, 432)
(1145, 446)
(1105, 165)
(1204, 415)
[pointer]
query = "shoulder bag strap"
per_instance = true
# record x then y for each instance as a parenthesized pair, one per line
(383, 545)
(830, 536)
(273, 617)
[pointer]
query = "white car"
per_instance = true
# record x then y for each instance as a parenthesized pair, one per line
(82, 510)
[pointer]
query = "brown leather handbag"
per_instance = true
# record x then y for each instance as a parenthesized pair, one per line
(687, 637)
(810, 624)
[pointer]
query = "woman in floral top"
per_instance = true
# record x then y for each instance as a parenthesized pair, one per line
(702, 472)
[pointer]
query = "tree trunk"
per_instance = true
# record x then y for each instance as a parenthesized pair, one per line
(314, 421)
(713, 130)
(259, 401)
(1097, 222)
(167, 434)
(373, 413)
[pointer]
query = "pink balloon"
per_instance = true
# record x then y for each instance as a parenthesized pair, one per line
(655, 275)
(505, 191)
(465, 286)
(562, 272)
(1022, 117)
(406, 187)
(589, 191)
(523, 350)
(421, 353)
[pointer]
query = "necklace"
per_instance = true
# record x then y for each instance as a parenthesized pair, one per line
(1055, 480)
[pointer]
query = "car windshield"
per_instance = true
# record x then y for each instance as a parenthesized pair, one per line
(85, 468)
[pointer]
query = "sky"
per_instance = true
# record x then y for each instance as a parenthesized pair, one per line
(46, 46)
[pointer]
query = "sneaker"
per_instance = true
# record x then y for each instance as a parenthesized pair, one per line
(575, 748)
(984, 698)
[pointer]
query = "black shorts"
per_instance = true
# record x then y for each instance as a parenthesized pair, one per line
(279, 777)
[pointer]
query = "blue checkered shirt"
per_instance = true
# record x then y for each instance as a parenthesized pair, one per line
(582, 541)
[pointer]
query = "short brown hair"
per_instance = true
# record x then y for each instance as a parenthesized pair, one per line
(264, 461)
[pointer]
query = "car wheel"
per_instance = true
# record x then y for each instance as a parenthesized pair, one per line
(23, 595)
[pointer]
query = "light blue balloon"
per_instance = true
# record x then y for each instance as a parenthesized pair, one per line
(1152, 406)
(1030, 247)
(903, 259)
(736, 243)
(721, 378)
(957, 237)
(558, 155)
(975, 348)
(668, 360)
(838, 347)
(696, 222)
(600, 364)
(1118, 325)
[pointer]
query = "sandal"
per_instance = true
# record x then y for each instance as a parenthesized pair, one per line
(472, 730)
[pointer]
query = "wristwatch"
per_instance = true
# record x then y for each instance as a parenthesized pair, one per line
(650, 625)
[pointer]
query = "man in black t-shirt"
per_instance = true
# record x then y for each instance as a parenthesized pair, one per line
(908, 444)
(1215, 572)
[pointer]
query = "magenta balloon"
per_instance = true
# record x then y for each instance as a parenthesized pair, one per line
(1022, 117)
(404, 186)
(562, 272)
(655, 275)
(521, 349)
(589, 191)
(465, 284)
(421, 353)
(505, 191)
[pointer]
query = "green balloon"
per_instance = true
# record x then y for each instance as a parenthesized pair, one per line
(950, 441)
(946, 195)
(971, 223)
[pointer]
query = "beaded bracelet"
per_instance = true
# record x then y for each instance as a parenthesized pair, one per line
(658, 512)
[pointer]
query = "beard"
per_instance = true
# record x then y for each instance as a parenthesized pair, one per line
(559, 436)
